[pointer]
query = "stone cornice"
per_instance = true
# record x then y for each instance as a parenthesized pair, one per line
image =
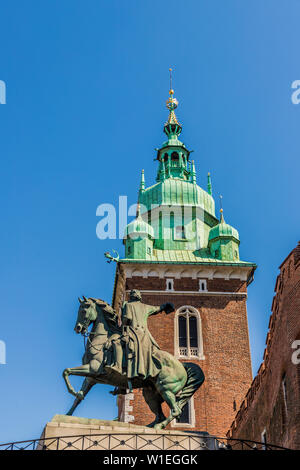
(192, 292)
(179, 271)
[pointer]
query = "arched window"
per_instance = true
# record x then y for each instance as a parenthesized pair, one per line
(169, 284)
(175, 159)
(188, 333)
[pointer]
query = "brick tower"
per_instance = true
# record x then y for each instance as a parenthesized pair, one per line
(176, 250)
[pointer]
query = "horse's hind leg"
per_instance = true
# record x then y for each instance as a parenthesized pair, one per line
(85, 388)
(154, 401)
(170, 398)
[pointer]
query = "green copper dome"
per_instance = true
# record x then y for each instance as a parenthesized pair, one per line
(175, 191)
(223, 230)
(138, 228)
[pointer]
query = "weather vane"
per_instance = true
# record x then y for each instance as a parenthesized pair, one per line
(171, 102)
(170, 70)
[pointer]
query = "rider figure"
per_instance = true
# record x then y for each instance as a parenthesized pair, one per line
(136, 343)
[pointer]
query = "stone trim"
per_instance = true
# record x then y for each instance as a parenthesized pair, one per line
(179, 271)
(127, 407)
(192, 292)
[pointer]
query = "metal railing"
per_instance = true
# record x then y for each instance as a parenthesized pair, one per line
(138, 441)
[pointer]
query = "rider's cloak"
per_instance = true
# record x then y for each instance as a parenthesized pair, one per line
(141, 346)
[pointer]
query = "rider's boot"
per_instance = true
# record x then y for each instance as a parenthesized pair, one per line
(114, 367)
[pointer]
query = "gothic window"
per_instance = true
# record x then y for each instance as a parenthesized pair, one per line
(169, 284)
(188, 334)
(202, 285)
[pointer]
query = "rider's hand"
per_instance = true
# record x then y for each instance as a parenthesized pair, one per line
(168, 308)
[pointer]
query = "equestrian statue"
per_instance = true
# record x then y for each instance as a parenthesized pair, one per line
(121, 351)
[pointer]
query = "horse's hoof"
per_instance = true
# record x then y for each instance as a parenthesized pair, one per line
(158, 426)
(176, 412)
(151, 425)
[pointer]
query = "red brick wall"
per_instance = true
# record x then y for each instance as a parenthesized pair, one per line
(227, 364)
(264, 406)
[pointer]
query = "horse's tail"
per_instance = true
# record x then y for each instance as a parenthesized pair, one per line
(195, 378)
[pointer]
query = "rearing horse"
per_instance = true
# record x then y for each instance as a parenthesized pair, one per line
(175, 383)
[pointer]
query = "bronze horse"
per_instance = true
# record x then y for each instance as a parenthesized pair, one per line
(175, 383)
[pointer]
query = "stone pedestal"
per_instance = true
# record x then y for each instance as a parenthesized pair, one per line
(72, 433)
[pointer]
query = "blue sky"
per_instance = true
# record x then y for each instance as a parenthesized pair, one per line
(86, 90)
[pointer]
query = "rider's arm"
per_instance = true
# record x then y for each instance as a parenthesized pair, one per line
(167, 308)
(154, 311)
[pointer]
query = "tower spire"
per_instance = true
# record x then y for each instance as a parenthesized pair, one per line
(172, 126)
(173, 156)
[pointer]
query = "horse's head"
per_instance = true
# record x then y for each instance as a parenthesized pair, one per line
(87, 314)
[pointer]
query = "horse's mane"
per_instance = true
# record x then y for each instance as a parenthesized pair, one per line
(104, 305)
(112, 315)
(98, 301)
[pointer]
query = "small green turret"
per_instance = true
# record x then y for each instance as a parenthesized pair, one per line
(223, 241)
(138, 238)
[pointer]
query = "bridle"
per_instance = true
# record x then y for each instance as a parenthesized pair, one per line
(86, 336)
(86, 339)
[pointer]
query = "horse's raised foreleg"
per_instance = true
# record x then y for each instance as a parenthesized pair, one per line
(83, 371)
(85, 388)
